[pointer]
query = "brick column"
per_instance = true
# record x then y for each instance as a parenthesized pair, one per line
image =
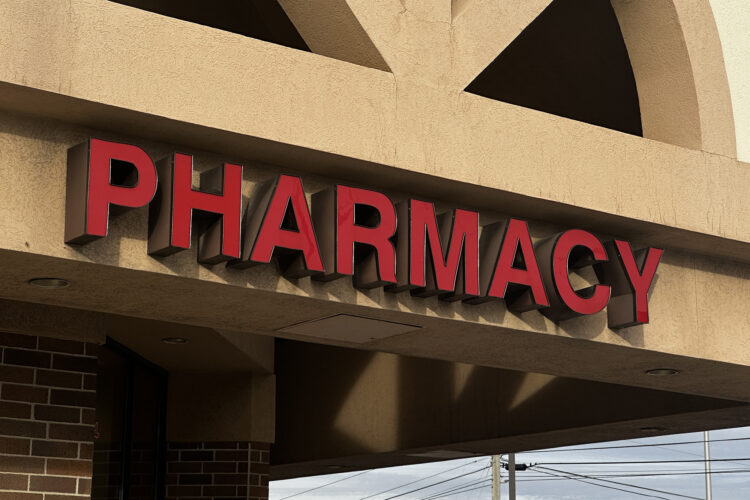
(213, 470)
(47, 401)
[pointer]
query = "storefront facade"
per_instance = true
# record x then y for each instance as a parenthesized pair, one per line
(298, 238)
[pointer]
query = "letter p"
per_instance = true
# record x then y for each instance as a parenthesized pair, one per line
(90, 188)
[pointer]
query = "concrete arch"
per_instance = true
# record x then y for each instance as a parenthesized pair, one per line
(678, 64)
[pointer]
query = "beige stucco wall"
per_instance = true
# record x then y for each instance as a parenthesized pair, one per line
(91, 67)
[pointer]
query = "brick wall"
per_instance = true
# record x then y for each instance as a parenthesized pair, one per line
(232, 470)
(47, 400)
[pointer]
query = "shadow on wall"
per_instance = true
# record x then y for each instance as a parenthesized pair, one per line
(571, 61)
(334, 403)
(261, 19)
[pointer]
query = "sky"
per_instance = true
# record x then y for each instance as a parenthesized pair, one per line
(536, 483)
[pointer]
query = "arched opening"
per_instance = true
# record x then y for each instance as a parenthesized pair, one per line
(570, 61)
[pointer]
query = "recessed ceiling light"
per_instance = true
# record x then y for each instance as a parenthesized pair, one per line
(662, 372)
(652, 430)
(49, 282)
(174, 340)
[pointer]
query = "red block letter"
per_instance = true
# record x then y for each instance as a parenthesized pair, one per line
(277, 224)
(630, 276)
(572, 249)
(516, 273)
(443, 270)
(221, 196)
(90, 190)
(364, 239)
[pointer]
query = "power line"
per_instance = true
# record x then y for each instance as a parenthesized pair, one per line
(605, 486)
(419, 480)
(625, 462)
(328, 484)
(439, 482)
(462, 489)
(622, 484)
(675, 443)
(455, 488)
(682, 452)
(656, 474)
(465, 491)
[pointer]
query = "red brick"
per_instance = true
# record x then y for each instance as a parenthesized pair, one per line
(27, 358)
(258, 491)
(56, 378)
(237, 479)
(61, 467)
(22, 428)
(14, 481)
(71, 432)
(260, 446)
(86, 451)
(17, 374)
(183, 491)
(177, 467)
(219, 467)
(89, 382)
(53, 484)
(259, 468)
(26, 393)
(73, 398)
(57, 414)
(74, 363)
(59, 345)
(15, 410)
(17, 495)
(61, 497)
(219, 491)
(26, 465)
(16, 340)
(197, 456)
(231, 455)
(14, 446)
(88, 416)
(195, 479)
(92, 350)
(54, 449)
(84, 486)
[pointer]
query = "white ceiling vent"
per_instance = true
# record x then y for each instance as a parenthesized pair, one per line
(347, 328)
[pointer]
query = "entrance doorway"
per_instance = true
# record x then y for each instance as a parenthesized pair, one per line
(129, 434)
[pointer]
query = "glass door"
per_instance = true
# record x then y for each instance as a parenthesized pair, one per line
(129, 433)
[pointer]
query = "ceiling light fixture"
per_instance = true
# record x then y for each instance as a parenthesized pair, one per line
(653, 430)
(662, 372)
(50, 283)
(174, 340)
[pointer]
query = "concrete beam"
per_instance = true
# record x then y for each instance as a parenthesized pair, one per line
(336, 406)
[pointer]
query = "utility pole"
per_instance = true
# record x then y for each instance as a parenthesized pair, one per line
(707, 458)
(495, 477)
(512, 476)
